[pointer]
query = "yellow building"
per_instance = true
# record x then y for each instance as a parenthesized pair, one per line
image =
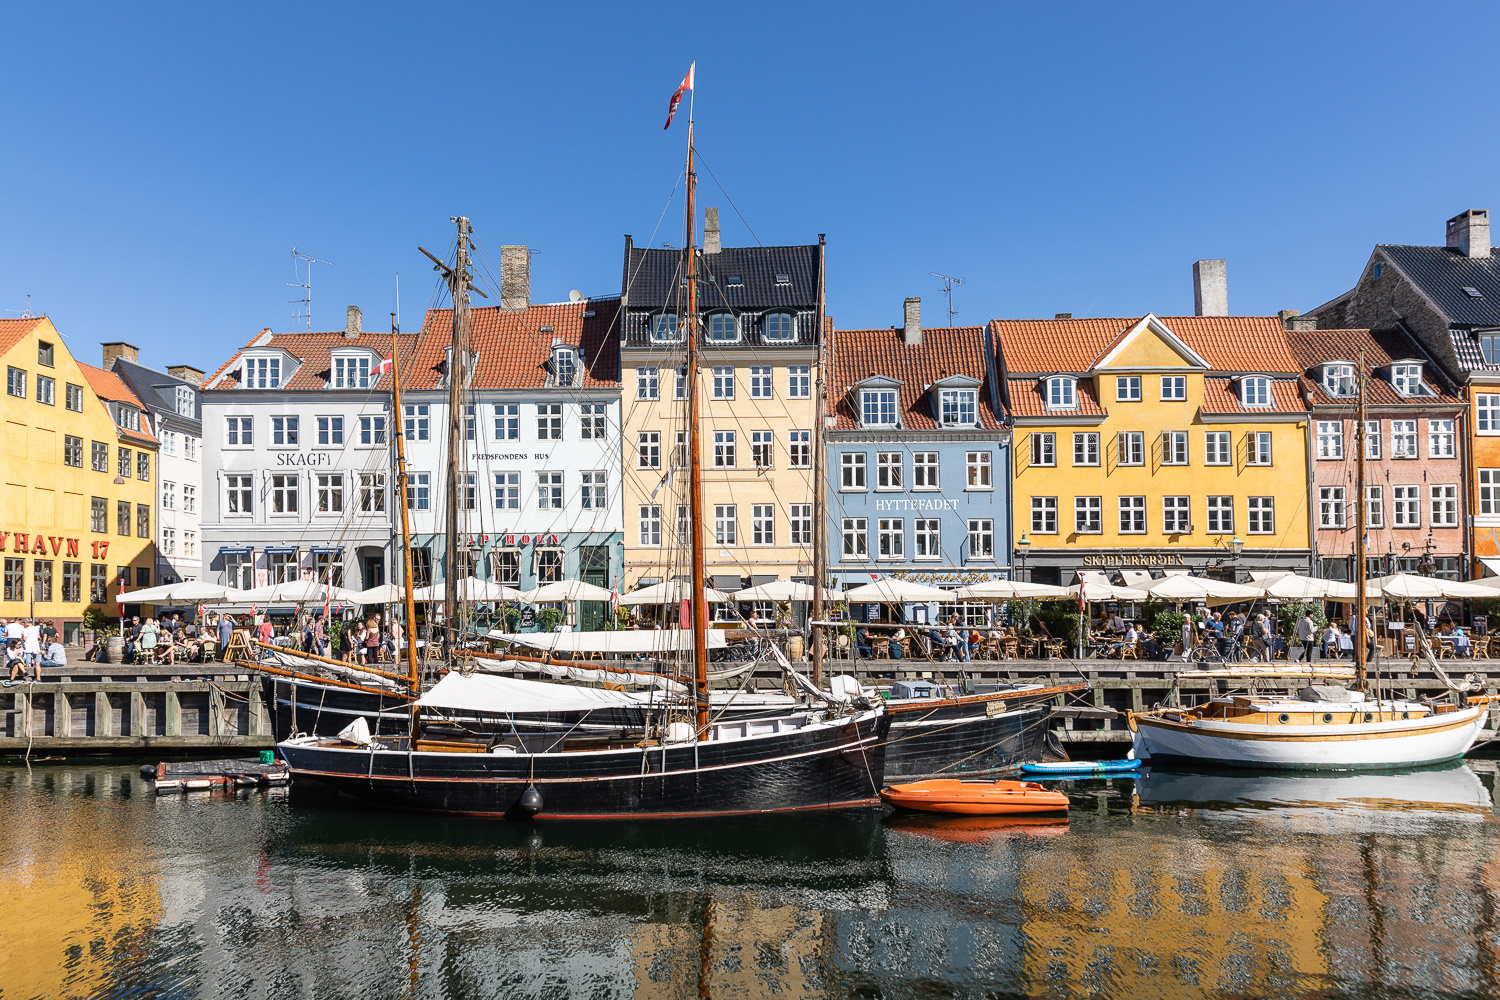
(1155, 444)
(79, 491)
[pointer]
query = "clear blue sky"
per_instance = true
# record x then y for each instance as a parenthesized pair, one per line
(163, 161)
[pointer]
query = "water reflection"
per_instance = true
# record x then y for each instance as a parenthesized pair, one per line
(1171, 884)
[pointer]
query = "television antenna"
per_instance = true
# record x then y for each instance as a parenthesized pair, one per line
(25, 313)
(948, 284)
(303, 310)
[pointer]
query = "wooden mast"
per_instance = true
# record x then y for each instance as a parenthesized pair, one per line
(412, 680)
(820, 512)
(1360, 607)
(695, 461)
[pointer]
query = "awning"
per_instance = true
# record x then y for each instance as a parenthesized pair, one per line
(1491, 563)
(280, 550)
(505, 695)
(623, 641)
(1136, 577)
(325, 550)
(235, 550)
(727, 582)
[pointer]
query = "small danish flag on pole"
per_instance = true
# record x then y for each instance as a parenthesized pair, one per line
(385, 365)
(687, 85)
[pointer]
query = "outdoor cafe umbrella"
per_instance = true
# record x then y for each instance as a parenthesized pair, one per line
(1407, 587)
(1009, 590)
(470, 588)
(1180, 587)
(183, 590)
(893, 591)
(786, 590)
(566, 590)
(672, 592)
(383, 593)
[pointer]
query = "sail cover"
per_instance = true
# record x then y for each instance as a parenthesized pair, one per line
(495, 695)
(626, 641)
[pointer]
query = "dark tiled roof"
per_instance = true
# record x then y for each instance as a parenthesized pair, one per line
(1441, 273)
(514, 350)
(1313, 348)
(945, 351)
(653, 278)
(1466, 349)
(158, 390)
(1228, 343)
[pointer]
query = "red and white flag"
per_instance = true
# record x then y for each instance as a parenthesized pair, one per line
(385, 365)
(687, 84)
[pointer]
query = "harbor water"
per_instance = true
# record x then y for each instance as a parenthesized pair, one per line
(1166, 885)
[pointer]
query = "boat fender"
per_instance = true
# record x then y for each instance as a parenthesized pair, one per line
(148, 771)
(531, 801)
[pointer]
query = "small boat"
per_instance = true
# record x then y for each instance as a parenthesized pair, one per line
(975, 798)
(1073, 768)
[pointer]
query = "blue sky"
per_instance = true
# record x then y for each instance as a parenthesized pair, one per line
(163, 161)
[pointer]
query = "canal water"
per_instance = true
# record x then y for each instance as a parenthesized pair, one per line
(1171, 885)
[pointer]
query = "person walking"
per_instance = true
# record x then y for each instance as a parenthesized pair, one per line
(32, 636)
(1307, 633)
(1260, 638)
(226, 632)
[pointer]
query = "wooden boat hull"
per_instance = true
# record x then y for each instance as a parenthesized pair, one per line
(975, 798)
(819, 766)
(962, 737)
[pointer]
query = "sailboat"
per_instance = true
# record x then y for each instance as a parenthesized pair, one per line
(1325, 726)
(685, 763)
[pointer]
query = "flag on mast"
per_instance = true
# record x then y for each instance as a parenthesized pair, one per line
(385, 365)
(687, 84)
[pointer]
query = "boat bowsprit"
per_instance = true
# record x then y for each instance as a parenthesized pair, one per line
(1080, 768)
(975, 798)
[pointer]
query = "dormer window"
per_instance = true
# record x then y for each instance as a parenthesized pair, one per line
(778, 327)
(1489, 346)
(721, 327)
(1407, 378)
(564, 366)
(878, 407)
(1062, 393)
(1255, 390)
(128, 417)
(1338, 379)
(184, 401)
(351, 372)
(664, 328)
(957, 407)
(262, 373)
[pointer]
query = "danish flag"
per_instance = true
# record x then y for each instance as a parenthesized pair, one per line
(687, 84)
(385, 364)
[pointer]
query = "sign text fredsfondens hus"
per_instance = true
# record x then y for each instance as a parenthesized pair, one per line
(1136, 558)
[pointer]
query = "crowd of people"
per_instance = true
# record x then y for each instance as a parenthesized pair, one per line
(31, 644)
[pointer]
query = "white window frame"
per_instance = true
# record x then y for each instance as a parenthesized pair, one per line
(648, 449)
(726, 524)
(879, 408)
(647, 382)
(1403, 439)
(1330, 440)
(1406, 505)
(1127, 388)
(1173, 388)
(958, 407)
(1044, 449)
(799, 381)
(978, 468)
(1255, 390)
(1218, 448)
(981, 539)
(1487, 413)
(1407, 378)
(1176, 515)
(762, 382)
(649, 524)
(1332, 507)
(1061, 393)
(1373, 447)
(925, 471)
(1260, 515)
(890, 539)
(927, 539)
(1085, 449)
(723, 381)
(1174, 447)
(889, 466)
(1440, 438)
(1044, 515)
(1130, 448)
(1443, 505)
(725, 451)
(1219, 513)
(762, 524)
(1488, 481)
(1088, 515)
(852, 466)
(1374, 507)
(1132, 515)
(799, 449)
(800, 523)
(854, 539)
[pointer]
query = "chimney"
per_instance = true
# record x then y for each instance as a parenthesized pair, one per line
(515, 278)
(1210, 288)
(187, 373)
(911, 334)
(711, 243)
(120, 349)
(1469, 233)
(1062, 316)
(352, 322)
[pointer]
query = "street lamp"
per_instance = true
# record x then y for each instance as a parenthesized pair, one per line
(1023, 546)
(1236, 546)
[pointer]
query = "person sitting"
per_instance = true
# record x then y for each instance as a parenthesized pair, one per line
(56, 655)
(898, 640)
(1116, 626)
(862, 643)
(1148, 644)
(1461, 645)
(1127, 640)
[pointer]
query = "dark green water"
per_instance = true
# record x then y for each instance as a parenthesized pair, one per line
(1169, 886)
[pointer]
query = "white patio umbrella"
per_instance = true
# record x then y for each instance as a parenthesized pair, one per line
(1406, 587)
(308, 592)
(470, 588)
(150, 595)
(202, 590)
(384, 593)
(1196, 588)
(672, 592)
(786, 590)
(893, 591)
(1009, 590)
(566, 590)
(1109, 592)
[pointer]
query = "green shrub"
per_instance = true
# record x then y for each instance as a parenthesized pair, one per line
(1061, 624)
(1288, 613)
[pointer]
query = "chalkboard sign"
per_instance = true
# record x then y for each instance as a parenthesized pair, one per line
(1432, 623)
(528, 617)
(1481, 625)
(1411, 643)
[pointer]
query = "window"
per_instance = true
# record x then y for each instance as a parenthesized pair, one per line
(41, 581)
(927, 536)
(723, 381)
(664, 327)
(724, 457)
(549, 421)
(682, 523)
(763, 524)
(284, 431)
(760, 382)
(592, 417)
(73, 451)
(722, 327)
(1174, 448)
(1330, 507)
(46, 390)
(978, 465)
(1127, 388)
(143, 466)
(189, 498)
(282, 566)
(72, 582)
(594, 493)
(1132, 448)
(762, 449)
(1132, 515)
(1062, 393)
(1044, 515)
(799, 449)
(44, 354)
(878, 407)
(330, 492)
(888, 470)
(168, 541)
(330, 431)
(128, 417)
(238, 491)
(1489, 491)
(1221, 514)
(1374, 507)
(99, 515)
(1088, 515)
(1407, 506)
(680, 450)
(679, 382)
(169, 442)
(1255, 391)
(421, 566)
(726, 524)
(648, 383)
(122, 463)
(1173, 387)
(1176, 516)
(800, 521)
(853, 530)
(799, 381)
(852, 470)
(168, 495)
(507, 491)
(1258, 443)
(1403, 439)
(351, 373)
(15, 383)
(1444, 506)
(98, 583)
(506, 566)
(237, 432)
(1372, 439)
(469, 421)
(100, 457)
(142, 576)
(262, 373)
(419, 491)
(15, 576)
(1044, 449)
(183, 398)
(565, 365)
(1330, 439)
(648, 450)
(371, 430)
(1338, 380)
(1439, 439)
(73, 397)
(1086, 448)
(142, 520)
(1216, 448)
(239, 570)
(650, 521)
(778, 326)
(1489, 346)
(190, 448)
(549, 490)
(471, 497)
(1407, 379)
(418, 421)
(890, 538)
(924, 470)
(981, 538)
(507, 421)
(1488, 407)
(328, 568)
(372, 492)
(957, 407)
(283, 494)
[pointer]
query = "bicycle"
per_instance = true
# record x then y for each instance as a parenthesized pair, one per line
(1207, 652)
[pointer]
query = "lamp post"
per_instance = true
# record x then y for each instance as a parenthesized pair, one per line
(1023, 546)
(1236, 546)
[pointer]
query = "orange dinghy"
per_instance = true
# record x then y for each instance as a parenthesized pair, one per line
(975, 798)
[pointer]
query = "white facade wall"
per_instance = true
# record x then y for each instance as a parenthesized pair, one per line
(179, 504)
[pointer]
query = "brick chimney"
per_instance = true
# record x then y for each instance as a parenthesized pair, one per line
(187, 373)
(119, 349)
(911, 333)
(353, 322)
(711, 240)
(515, 278)
(1210, 288)
(1469, 233)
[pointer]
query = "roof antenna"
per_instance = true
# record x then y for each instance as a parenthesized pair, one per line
(25, 313)
(304, 304)
(948, 284)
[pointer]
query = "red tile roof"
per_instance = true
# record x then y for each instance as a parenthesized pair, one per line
(110, 388)
(514, 349)
(314, 350)
(12, 330)
(1220, 396)
(944, 351)
(1028, 400)
(1228, 343)
(1313, 348)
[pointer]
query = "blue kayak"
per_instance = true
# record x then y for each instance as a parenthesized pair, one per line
(1063, 767)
